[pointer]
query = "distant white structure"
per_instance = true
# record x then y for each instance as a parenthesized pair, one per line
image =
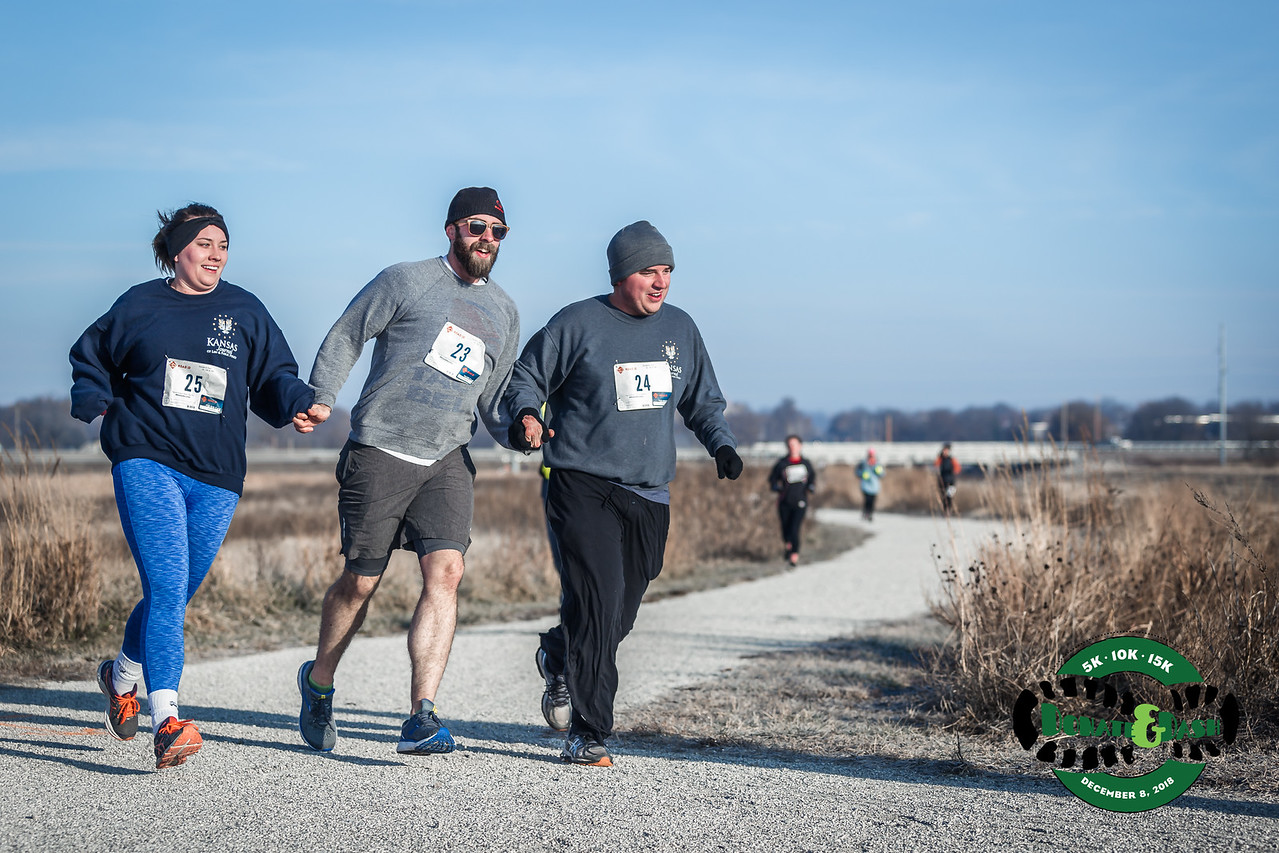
(989, 454)
(905, 453)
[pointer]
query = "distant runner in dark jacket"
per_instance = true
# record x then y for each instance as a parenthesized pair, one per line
(947, 470)
(794, 479)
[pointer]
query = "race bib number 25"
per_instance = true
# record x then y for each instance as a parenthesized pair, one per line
(194, 386)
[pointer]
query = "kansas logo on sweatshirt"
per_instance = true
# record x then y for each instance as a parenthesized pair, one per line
(222, 342)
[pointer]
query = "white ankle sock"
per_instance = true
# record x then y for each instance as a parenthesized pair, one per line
(125, 674)
(164, 704)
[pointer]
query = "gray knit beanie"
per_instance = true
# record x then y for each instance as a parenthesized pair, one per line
(637, 247)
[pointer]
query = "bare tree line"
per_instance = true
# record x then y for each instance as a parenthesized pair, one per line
(45, 422)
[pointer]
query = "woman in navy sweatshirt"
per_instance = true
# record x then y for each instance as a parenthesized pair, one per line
(174, 368)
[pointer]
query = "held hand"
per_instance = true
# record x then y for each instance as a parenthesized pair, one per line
(528, 431)
(306, 421)
(728, 463)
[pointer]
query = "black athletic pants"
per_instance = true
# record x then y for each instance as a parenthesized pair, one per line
(947, 483)
(792, 516)
(868, 504)
(611, 542)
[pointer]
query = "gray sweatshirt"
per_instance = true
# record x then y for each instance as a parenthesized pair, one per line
(612, 384)
(428, 375)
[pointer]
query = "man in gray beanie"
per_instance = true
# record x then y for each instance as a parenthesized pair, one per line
(613, 370)
(446, 337)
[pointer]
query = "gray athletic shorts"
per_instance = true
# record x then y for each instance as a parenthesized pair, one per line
(385, 503)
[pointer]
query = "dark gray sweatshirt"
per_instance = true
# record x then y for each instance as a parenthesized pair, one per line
(612, 383)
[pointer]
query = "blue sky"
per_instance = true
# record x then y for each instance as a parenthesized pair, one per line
(907, 204)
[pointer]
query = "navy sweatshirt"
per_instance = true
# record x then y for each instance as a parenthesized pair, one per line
(175, 376)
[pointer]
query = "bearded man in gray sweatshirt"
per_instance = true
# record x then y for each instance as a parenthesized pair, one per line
(445, 337)
(613, 370)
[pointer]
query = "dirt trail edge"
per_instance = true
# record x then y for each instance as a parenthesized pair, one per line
(255, 786)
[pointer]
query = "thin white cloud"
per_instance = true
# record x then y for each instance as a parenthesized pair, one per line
(114, 144)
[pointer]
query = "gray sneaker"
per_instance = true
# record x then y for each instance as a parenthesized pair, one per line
(122, 708)
(580, 749)
(315, 721)
(557, 707)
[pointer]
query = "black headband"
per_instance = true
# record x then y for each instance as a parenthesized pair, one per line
(178, 239)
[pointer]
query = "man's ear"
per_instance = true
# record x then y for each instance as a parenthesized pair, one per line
(450, 231)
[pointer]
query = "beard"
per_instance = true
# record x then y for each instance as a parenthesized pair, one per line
(476, 267)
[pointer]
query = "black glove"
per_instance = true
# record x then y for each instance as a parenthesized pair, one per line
(728, 463)
(515, 433)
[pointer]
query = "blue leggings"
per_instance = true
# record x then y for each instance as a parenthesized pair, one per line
(175, 526)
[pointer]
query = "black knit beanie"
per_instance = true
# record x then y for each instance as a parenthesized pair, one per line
(474, 200)
(637, 247)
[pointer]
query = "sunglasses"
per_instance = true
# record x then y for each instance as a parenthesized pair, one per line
(477, 227)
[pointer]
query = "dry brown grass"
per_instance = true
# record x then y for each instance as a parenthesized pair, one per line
(1083, 558)
(726, 520)
(909, 490)
(48, 554)
(281, 553)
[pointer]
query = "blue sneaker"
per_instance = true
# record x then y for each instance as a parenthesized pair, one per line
(424, 734)
(315, 721)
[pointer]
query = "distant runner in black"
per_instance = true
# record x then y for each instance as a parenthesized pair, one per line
(947, 470)
(793, 478)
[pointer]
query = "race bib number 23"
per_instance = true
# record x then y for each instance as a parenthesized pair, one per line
(457, 354)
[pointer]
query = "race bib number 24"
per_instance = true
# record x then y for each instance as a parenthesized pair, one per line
(642, 385)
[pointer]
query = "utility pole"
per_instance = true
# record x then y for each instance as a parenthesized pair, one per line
(1221, 392)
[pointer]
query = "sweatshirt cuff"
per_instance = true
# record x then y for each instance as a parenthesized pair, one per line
(323, 398)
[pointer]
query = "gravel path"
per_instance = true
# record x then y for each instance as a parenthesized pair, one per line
(255, 787)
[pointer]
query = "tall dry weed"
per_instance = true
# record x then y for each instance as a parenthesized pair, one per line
(509, 560)
(720, 520)
(48, 555)
(1081, 558)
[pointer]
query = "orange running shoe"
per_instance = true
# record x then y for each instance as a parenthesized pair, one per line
(175, 742)
(122, 709)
